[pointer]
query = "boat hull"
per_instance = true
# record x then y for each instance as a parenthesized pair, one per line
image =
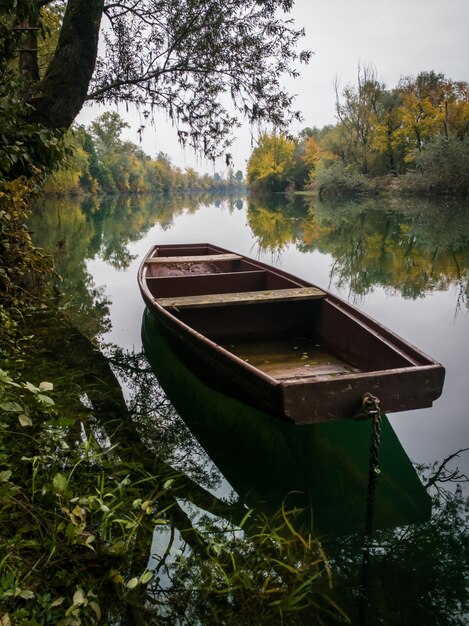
(368, 358)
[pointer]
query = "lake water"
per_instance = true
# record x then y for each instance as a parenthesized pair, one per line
(405, 263)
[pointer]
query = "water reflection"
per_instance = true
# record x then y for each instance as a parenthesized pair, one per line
(265, 459)
(411, 573)
(206, 571)
(76, 230)
(410, 247)
(412, 252)
(125, 445)
(105, 226)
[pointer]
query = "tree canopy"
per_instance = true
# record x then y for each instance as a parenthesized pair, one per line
(206, 63)
(419, 129)
(100, 162)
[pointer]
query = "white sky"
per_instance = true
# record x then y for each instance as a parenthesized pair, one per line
(398, 37)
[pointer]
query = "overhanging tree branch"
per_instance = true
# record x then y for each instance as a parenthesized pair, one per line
(186, 57)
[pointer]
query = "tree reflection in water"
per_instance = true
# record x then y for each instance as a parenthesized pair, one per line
(409, 247)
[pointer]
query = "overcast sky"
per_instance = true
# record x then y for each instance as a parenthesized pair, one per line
(398, 37)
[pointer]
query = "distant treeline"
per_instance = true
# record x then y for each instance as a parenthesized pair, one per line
(99, 162)
(413, 138)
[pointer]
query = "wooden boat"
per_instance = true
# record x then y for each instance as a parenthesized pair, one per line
(277, 342)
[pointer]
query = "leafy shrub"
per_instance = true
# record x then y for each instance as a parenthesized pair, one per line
(26, 148)
(82, 512)
(339, 181)
(442, 166)
(24, 269)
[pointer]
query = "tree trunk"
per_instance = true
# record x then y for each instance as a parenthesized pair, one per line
(59, 97)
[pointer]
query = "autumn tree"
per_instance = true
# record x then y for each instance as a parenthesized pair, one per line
(432, 105)
(186, 57)
(387, 140)
(422, 111)
(270, 166)
(305, 158)
(421, 126)
(357, 109)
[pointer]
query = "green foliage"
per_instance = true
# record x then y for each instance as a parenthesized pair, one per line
(258, 577)
(84, 496)
(107, 130)
(340, 181)
(442, 166)
(69, 514)
(99, 161)
(21, 9)
(73, 175)
(26, 149)
(24, 269)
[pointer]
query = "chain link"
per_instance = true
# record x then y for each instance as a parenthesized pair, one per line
(370, 409)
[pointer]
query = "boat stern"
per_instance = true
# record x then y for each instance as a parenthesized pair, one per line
(307, 402)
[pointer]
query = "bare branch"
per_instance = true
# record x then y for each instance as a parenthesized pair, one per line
(440, 474)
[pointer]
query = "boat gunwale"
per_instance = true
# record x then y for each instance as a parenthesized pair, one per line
(360, 375)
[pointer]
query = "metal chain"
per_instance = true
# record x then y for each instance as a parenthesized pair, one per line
(373, 471)
(370, 409)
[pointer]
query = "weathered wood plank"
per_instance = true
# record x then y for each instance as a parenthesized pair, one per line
(244, 297)
(199, 258)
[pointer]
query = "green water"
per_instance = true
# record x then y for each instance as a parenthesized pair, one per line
(406, 263)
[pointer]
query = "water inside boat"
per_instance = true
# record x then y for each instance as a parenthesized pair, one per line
(291, 358)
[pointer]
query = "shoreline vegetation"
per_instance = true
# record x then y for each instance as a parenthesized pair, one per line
(412, 139)
(99, 162)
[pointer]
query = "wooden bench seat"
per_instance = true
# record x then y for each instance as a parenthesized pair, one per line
(243, 297)
(199, 258)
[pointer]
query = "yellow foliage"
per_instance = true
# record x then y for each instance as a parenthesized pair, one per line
(420, 120)
(271, 161)
(66, 180)
(51, 22)
(312, 153)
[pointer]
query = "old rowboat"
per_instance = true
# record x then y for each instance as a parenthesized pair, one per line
(275, 341)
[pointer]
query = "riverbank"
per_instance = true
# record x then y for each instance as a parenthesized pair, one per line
(411, 185)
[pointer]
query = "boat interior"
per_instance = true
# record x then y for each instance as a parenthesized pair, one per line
(279, 324)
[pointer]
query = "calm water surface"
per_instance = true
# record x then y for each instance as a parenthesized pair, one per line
(404, 263)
